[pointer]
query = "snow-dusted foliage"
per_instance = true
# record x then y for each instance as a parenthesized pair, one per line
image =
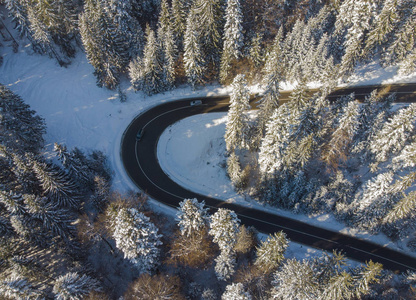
(17, 287)
(225, 265)
(21, 129)
(394, 135)
(194, 62)
(295, 280)
(146, 72)
(237, 126)
(73, 286)
(235, 291)
(270, 253)
(137, 237)
(224, 226)
(233, 36)
(192, 216)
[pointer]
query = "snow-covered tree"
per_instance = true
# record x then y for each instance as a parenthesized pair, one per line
(235, 291)
(394, 135)
(146, 72)
(270, 253)
(21, 129)
(17, 287)
(256, 52)
(224, 226)
(137, 237)
(192, 216)
(73, 286)
(338, 147)
(295, 280)
(375, 201)
(234, 171)
(365, 276)
(274, 143)
(225, 265)
(194, 62)
(237, 126)
(233, 37)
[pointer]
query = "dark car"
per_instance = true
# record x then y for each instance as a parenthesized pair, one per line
(139, 134)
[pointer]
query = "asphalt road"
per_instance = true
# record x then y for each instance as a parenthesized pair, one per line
(141, 164)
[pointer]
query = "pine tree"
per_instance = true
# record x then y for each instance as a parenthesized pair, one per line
(235, 291)
(224, 227)
(146, 72)
(233, 37)
(256, 54)
(339, 287)
(366, 275)
(295, 280)
(209, 26)
(192, 216)
(274, 143)
(225, 265)
(21, 128)
(270, 253)
(193, 59)
(16, 287)
(374, 202)
(338, 148)
(137, 237)
(237, 126)
(180, 11)
(234, 170)
(73, 286)
(168, 46)
(394, 135)
(103, 44)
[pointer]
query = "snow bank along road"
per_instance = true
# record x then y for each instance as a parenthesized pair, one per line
(141, 164)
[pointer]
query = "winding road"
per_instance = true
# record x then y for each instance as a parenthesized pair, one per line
(141, 164)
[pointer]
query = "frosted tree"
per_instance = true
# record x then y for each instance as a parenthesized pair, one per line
(256, 54)
(192, 216)
(121, 14)
(270, 253)
(406, 158)
(73, 286)
(337, 149)
(339, 287)
(237, 126)
(180, 10)
(394, 135)
(225, 265)
(365, 276)
(17, 287)
(274, 143)
(295, 280)
(233, 37)
(356, 18)
(57, 185)
(170, 54)
(234, 170)
(103, 44)
(137, 237)
(194, 62)
(224, 226)
(209, 14)
(146, 72)
(21, 129)
(374, 202)
(17, 9)
(235, 291)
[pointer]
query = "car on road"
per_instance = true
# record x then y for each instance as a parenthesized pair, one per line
(196, 102)
(139, 134)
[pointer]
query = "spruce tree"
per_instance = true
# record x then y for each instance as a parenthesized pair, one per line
(192, 217)
(194, 62)
(237, 126)
(73, 286)
(270, 253)
(233, 37)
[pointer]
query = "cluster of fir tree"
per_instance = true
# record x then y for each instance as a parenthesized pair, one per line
(349, 158)
(204, 40)
(40, 201)
(235, 265)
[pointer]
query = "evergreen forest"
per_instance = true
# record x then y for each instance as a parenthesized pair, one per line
(66, 234)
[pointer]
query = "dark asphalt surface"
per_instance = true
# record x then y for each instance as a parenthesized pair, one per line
(141, 164)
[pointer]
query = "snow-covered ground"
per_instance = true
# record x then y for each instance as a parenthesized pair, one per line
(80, 114)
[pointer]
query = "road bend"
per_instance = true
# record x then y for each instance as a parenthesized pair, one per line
(141, 164)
